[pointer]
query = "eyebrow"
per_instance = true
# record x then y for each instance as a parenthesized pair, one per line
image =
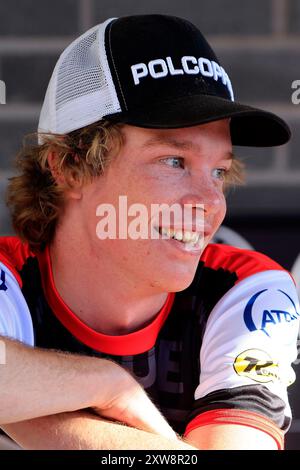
(179, 144)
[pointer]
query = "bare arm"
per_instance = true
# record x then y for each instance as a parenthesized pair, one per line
(36, 383)
(81, 430)
(230, 437)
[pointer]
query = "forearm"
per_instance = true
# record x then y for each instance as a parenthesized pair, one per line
(82, 430)
(36, 382)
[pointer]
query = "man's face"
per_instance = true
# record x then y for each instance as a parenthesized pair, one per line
(183, 166)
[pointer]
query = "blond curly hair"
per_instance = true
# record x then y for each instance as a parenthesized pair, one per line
(34, 197)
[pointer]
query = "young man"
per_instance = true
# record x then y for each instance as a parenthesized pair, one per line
(140, 107)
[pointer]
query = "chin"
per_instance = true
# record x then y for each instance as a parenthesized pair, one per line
(177, 275)
(177, 282)
(180, 286)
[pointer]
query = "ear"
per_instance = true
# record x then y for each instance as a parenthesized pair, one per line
(72, 187)
(53, 165)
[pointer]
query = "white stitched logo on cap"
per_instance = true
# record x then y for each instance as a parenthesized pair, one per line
(159, 68)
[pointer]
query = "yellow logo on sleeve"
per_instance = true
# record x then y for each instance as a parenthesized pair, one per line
(256, 365)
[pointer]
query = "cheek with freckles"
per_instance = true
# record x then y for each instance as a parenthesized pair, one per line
(219, 215)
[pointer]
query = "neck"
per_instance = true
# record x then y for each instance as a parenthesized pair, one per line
(97, 292)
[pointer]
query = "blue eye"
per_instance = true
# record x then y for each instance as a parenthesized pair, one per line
(220, 173)
(175, 162)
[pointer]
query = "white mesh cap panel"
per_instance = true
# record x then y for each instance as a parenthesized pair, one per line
(81, 90)
(47, 120)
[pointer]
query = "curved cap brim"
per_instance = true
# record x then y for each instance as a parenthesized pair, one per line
(250, 126)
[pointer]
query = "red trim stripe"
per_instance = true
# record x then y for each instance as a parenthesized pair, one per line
(134, 343)
(241, 417)
(237, 260)
(13, 254)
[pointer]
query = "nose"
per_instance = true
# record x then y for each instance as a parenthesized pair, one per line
(206, 192)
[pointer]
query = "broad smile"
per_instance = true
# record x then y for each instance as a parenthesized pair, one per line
(186, 240)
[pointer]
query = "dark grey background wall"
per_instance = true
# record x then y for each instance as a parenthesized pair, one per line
(258, 43)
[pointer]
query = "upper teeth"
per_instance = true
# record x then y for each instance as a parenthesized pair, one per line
(186, 236)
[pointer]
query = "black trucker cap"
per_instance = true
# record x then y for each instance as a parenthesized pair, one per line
(152, 71)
